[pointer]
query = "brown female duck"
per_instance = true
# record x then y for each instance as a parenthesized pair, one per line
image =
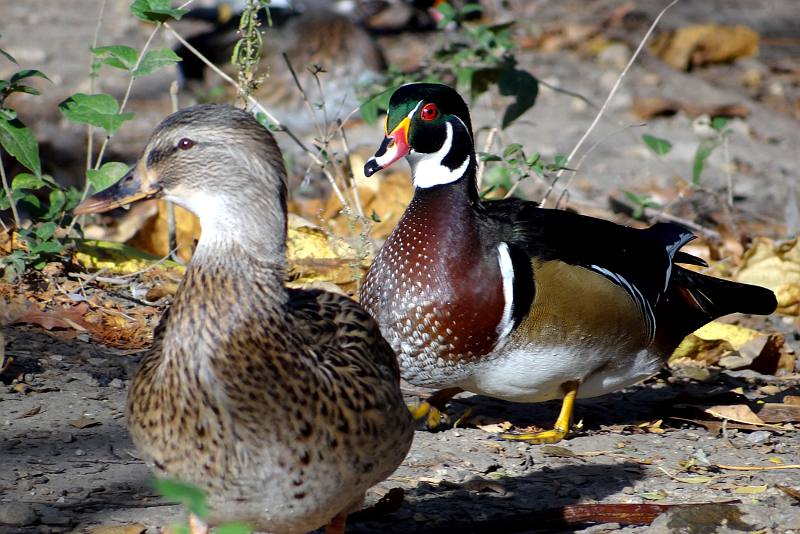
(283, 405)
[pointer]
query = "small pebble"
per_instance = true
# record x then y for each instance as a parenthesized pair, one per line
(80, 452)
(116, 384)
(758, 437)
(18, 514)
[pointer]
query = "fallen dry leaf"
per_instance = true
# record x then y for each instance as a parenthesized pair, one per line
(735, 347)
(794, 400)
(701, 44)
(648, 107)
(83, 422)
(153, 236)
(750, 490)
(495, 428)
(777, 267)
(66, 317)
(791, 492)
(741, 413)
(773, 412)
(30, 413)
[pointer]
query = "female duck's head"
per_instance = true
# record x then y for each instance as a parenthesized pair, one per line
(218, 162)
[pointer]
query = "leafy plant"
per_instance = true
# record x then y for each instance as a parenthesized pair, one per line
(194, 500)
(513, 165)
(708, 145)
(41, 208)
(478, 57)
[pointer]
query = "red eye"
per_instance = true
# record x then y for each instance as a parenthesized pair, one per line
(185, 143)
(429, 112)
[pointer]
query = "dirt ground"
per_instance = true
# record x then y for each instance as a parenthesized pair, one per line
(69, 466)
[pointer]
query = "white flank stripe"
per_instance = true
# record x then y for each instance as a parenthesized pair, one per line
(506, 323)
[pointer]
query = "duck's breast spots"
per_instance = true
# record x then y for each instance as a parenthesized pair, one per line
(433, 292)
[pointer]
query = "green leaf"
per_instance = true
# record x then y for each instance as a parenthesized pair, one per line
(188, 495)
(486, 156)
(106, 176)
(234, 528)
(27, 89)
(46, 247)
(46, 230)
(513, 148)
(154, 60)
(55, 205)
(156, 10)
(718, 123)
(117, 56)
(447, 12)
(20, 143)
(523, 86)
(658, 145)
(8, 56)
(704, 150)
(28, 73)
(5, 113)
(26, 181)
(640, 202)
(98, 110)
(560, 161)
(29, 198)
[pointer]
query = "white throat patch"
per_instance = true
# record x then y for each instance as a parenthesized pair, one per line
(428, 169)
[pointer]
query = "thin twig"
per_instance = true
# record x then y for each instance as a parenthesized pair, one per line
(92, 77)
(349, 169)
(591, 149)
(486, 147)
(567, 92)
(611, 95)
(9, 195)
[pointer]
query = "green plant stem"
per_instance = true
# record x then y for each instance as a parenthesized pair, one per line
(122, 105)
(10, 197)
(92, 85)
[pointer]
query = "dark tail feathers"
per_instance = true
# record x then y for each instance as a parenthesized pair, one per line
(713, 297)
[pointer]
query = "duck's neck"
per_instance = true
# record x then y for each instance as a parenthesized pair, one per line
(452, 167)
(254, 226)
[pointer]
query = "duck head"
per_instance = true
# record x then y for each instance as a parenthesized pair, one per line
(218, 162)
(429, 125)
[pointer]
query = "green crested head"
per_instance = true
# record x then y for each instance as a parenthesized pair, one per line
(429, 124)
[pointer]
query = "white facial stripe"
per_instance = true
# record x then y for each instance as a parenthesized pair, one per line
(428, 169)
(506, 323)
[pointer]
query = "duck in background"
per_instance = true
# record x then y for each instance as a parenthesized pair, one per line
(509, 300)
(283, 405)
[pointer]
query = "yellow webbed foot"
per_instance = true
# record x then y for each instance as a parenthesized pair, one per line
(430, 413)
(561, 427)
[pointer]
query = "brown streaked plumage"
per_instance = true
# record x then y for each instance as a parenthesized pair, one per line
(509, 300)
(283, 405)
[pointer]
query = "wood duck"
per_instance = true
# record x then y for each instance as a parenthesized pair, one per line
(283, 405)
(509, 300)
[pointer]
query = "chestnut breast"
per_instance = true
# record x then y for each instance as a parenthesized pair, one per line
(436, 293)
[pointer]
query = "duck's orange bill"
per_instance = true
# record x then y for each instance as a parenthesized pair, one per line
(393, 147)
(127, 190)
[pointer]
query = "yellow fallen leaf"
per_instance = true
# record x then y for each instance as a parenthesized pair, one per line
(750, 490)
(117, 258)
(495, 428)
(775, 460)
(777, 267)
(700, 44)
(711, 342)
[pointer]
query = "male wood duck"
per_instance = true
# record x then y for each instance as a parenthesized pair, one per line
(509, 300)
(283, 405)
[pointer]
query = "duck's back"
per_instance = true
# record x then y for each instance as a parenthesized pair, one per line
(283, 406)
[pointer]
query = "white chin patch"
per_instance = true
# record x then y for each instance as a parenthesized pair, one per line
(428, 169)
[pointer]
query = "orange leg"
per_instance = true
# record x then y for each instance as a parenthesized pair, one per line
(196, 526)
(336, 526)
(561, 427)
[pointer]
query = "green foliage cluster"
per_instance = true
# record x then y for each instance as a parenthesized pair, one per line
(48, 226)
(479, 56)
(514, 165)
(194, 500)
(662, 147)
